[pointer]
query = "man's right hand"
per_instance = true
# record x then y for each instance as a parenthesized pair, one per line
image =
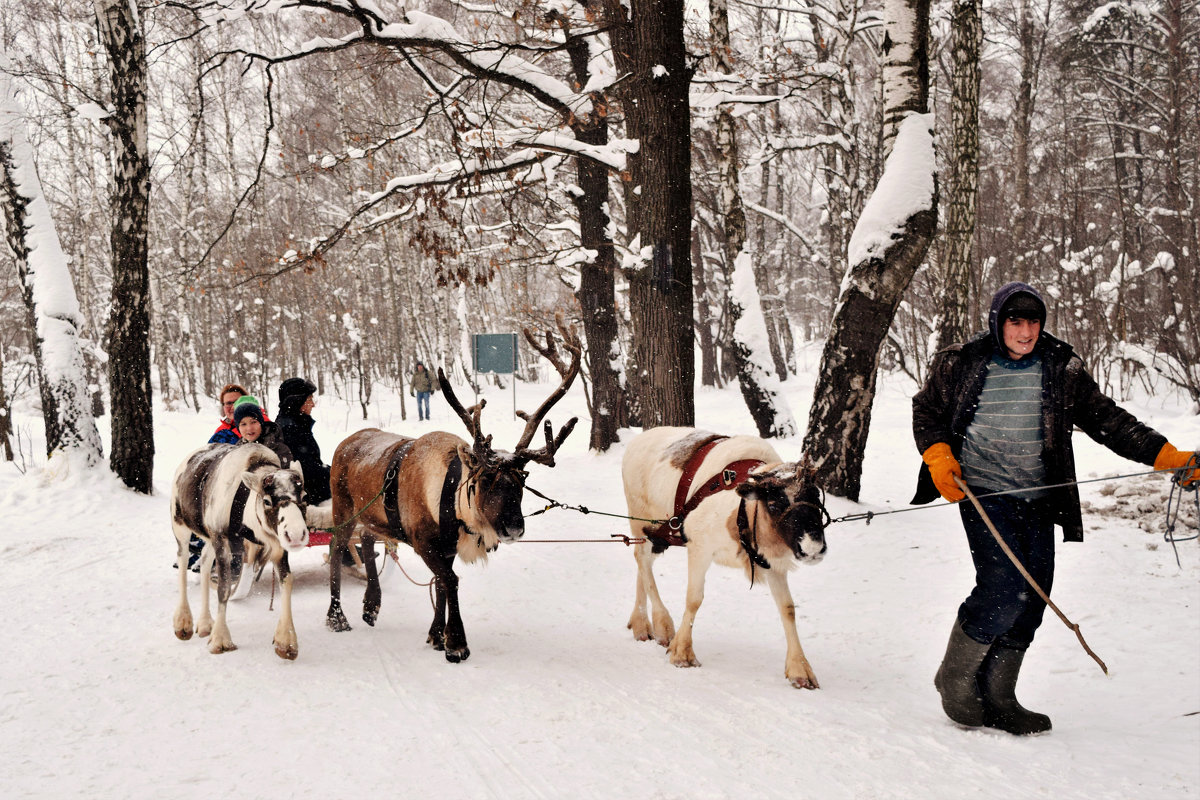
(943, 468)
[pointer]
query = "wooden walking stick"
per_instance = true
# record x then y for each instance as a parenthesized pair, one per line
(1025, 573)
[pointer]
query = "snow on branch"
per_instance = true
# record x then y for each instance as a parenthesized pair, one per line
(906, 188)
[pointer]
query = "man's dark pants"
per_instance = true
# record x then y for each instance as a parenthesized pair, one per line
(1003, 606)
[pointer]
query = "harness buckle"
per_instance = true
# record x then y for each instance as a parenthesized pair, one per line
(729, 476)
(675, 523)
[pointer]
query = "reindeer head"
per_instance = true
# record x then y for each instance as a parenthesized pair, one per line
(791, 498)
(495, 479)
(282, 505)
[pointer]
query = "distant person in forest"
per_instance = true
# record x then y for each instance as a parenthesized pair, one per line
(997, 413)
(253, 426)
(422, 387)
(296, 403)
(226, 432)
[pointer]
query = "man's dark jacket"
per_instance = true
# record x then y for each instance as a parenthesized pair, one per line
(944, 408)
(295, 429)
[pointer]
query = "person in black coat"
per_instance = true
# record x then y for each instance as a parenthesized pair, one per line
(997, 412)
(295, 428)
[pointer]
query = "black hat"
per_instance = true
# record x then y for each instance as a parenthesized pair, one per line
(1023, 305)
(295, 387)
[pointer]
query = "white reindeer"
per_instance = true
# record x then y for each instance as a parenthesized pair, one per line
(773, 519)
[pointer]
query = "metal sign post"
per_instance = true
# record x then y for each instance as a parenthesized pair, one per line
(496, 352)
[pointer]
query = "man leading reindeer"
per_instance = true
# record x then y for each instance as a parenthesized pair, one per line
(997, 413)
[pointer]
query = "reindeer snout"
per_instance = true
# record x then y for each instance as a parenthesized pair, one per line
(811, 549)
(292, 531)
(512, 530)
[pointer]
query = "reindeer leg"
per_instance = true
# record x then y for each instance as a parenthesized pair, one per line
(183, 613)
(639, 622)
(204, 623)
(663, 627)
(372, 597)
(286, 644)
(680, 649)
(796, 668)
(220, 641)
(335, 618)
(455, 637)
(437, 629)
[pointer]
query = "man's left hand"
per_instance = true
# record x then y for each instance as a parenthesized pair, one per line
(1170, 458)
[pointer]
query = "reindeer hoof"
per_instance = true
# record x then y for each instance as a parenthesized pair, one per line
(804, 683)
(436, 641)
(369, 617)
(216, 648)
(335, 620)
(455, 656)
(183, 634)
(288, 651)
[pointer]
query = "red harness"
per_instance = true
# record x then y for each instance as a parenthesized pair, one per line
(671, 532)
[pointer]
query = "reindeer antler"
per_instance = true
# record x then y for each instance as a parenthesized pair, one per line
(469, 416)
(550, 352)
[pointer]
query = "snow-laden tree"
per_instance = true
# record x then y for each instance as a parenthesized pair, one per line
(46, 286)
(762, 388)
(889, 241)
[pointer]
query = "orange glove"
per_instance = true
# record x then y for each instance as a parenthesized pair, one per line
(943, 467)
(1170, 458)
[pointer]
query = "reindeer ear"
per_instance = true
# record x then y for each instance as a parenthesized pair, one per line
(253, 481)
(467, 456)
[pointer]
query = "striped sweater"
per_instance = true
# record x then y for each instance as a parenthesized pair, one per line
(1003, 445)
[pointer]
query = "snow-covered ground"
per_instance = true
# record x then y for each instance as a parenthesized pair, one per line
(98, 699)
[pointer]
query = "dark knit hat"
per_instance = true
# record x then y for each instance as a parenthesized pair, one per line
(247, 407)
(295, 387)
(1023, 305)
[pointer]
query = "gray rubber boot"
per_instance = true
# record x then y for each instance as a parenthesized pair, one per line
(957, 678)
(998, 683)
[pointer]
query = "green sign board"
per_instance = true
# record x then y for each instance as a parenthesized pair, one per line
(495, 352)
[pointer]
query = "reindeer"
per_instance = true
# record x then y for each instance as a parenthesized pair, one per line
(236, 498)
(773, 518)
(441, 496)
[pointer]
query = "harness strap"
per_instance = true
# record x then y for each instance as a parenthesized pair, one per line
(237, 512)
(749, 544)
(670, 533)
(448, 521)
(391, 491)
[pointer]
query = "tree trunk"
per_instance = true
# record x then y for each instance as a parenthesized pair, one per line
(760, 388)
(1022, 129)
(649, 49)
(132, 450)
(964, 173)
(883, 257)
(46, 287)
(597, 293)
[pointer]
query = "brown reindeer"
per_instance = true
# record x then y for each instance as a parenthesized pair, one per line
(441, 495)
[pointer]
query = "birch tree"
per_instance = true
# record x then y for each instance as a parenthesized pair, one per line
(967, 26)
(132, 451)
(889, 241)
(46, 287)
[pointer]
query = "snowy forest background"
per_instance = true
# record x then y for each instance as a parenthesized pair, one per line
(340, 188)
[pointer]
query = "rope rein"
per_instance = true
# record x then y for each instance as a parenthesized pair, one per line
(1174, 506)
